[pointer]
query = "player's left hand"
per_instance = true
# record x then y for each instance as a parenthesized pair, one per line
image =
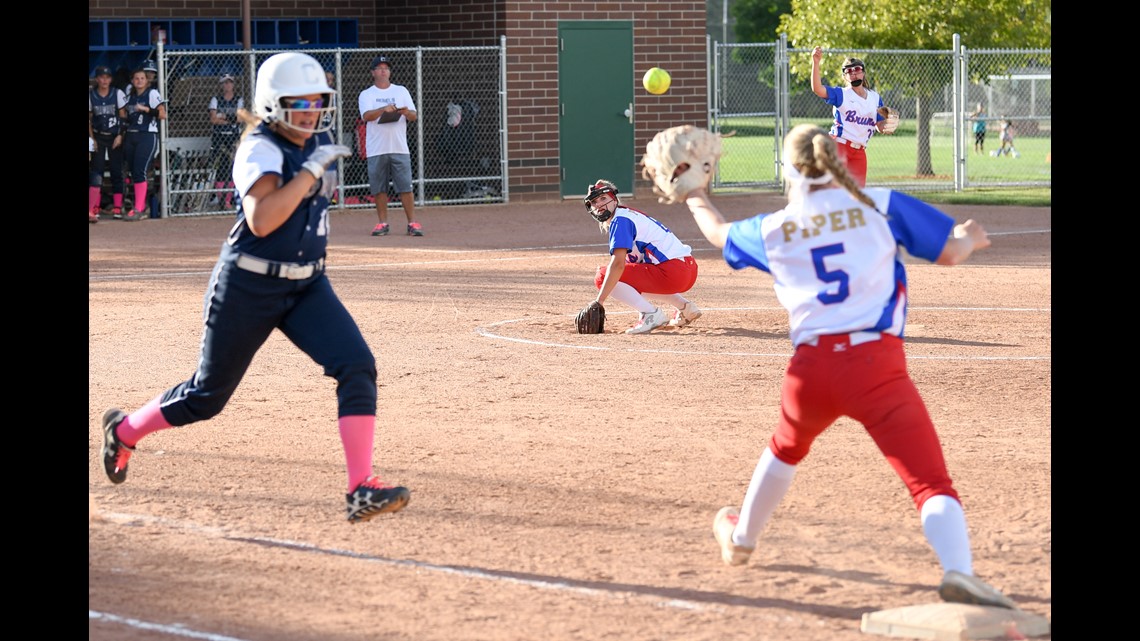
(324, 156)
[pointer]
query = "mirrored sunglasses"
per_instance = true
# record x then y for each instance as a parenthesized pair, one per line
(852, 69)
(301, 103)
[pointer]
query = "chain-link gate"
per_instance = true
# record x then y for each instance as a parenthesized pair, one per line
(457, 143)
(761, 90)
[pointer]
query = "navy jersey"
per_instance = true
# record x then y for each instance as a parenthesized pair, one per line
(138, 121)
(303, 237)
(229, 109)
(105, 111)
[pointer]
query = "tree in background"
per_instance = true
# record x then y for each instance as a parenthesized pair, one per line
(758, 20)
(863, 26)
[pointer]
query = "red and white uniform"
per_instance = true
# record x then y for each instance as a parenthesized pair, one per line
(840, 274)
(852, 125)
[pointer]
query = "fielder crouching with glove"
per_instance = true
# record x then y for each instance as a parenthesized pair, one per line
(646, 259)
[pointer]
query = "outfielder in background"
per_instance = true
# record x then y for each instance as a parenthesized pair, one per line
(645, 259)
(834, 252)
(105, 126)
(271, 275)
(855, 116)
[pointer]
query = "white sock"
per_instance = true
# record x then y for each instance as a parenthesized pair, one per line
(944, 524)
(770, 482)
(630, 296)
(676, 300)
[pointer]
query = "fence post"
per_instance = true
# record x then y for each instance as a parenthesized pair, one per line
(504, 168)
(163, 169)
(957, 108)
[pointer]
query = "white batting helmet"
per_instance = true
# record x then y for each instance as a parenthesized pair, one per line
(292, 74)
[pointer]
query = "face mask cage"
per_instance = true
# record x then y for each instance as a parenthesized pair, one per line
(595, 191)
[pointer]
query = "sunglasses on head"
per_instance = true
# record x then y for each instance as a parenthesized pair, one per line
(301, 103)
(852, 69)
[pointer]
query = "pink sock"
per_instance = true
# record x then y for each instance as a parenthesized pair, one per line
(93, 196)
(143, 421)
(356, 434)
(140, 196)
(117, 199)
(230, 195)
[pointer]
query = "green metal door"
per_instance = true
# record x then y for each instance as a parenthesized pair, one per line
(595, 104)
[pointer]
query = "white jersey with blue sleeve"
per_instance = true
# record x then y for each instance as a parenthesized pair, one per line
(853, 117)
(646, 239)
(836, 262)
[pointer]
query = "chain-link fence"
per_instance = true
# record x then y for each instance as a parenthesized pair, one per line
(757, 90)
(457, 143)
(761, 90)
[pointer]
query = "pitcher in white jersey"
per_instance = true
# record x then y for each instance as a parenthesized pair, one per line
(645, 259)
(855, 118)
(835, 253)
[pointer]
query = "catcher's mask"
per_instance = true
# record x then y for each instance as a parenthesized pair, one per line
(595, 190)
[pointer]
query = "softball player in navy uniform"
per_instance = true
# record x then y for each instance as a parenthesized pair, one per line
(224, 136)
(834, 252)
(106, 125)
(145, 107)
(645, 258)
(270, 275)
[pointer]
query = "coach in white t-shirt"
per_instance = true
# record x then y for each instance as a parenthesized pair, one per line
(386, 143)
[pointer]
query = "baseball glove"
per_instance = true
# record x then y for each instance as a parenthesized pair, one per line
(890, 119)
(592, 319)
(679, 160)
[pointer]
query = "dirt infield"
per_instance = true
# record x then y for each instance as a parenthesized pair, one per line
(563, 486)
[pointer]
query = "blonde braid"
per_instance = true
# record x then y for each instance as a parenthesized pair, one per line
(813, 153)
(827, 156)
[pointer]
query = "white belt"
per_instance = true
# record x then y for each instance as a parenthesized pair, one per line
(292, 271)
(854, 145)
(858, 338)
(854, 338)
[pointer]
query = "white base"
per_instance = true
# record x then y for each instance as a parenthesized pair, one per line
(954, 622)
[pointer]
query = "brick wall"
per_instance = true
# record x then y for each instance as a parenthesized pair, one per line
(532, 83)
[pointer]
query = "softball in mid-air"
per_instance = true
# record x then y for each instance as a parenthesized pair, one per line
(656, 80)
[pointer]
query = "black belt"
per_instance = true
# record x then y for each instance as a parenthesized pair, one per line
(292, 271)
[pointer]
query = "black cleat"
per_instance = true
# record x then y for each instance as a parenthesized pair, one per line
(372, 498)
(115, 452)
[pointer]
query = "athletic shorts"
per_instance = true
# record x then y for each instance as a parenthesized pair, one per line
(394, 167)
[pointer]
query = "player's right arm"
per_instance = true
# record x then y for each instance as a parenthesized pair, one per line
(816, 82)
(968, 237)
(708, 217)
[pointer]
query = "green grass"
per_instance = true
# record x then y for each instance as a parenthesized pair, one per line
(1024, 196)
(750, 155)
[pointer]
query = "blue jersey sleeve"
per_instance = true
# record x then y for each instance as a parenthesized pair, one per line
(834, 96)
(622, 233)
(744, 246)
(917, 226)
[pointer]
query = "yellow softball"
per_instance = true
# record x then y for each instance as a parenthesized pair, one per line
(656, 80)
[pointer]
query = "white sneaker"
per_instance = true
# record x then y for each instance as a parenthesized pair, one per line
(723, 525)
(649, 322)
(687, 314)
(963, 588)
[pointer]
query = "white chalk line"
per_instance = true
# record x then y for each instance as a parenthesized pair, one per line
(386, 265)
(487, 333)
(176, 629)
(493, 576)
